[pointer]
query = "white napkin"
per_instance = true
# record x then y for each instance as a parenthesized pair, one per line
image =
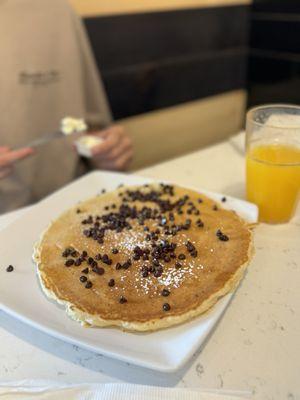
(43, 390)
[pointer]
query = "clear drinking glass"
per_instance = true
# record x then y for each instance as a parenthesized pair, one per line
(273, 160)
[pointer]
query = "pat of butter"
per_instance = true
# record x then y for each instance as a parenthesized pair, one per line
(71, 125)
(85, 144)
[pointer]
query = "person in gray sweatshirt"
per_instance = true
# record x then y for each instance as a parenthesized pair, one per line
(47, 72)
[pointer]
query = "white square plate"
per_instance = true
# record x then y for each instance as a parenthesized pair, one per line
(21, 296)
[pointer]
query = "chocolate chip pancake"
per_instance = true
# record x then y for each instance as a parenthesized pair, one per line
(143, 258)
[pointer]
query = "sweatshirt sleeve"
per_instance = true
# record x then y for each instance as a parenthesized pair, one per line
(97, 108)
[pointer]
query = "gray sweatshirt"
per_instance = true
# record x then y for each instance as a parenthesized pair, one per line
(47, 71)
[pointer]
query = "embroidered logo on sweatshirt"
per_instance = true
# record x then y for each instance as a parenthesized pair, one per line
(39, 77)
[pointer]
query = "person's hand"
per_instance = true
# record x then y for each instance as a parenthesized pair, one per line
(115, 152)
(9, 157)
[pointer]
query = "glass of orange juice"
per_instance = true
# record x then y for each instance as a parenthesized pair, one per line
(273, 161)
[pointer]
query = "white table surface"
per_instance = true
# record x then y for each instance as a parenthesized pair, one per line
(256, 345)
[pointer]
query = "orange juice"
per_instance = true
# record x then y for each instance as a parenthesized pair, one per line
(273, 181)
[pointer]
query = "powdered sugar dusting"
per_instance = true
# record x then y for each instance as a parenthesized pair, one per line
(174, 278)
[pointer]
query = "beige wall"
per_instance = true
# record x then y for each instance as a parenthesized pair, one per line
(109, 7)
(173, 131)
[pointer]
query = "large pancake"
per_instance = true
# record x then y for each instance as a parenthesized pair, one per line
(197, 255)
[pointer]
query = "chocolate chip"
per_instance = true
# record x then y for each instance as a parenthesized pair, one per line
(215, 207)
(145, 274)
(84, 253)
(200, 223)
(85, 271)
(83, 278)
(10, 268)
(78, 211)
(122, 300)
(222, 236)
(223, 199)
(126, 265)
(88, 285)
(74, 253)
(173, 246)
(138, 250)
(106, 259)
(115, 251)
(111, 282)
(181, 256)
(98, 257)
(158, 272)
(190, 247)
(166, 307)
(69, 262)
(200, 201)
(66, 253)
(90, 260)
(165, 292)
(77, 262)
(118, 266)
(194, 253)
(178, 265)
(98, 270)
